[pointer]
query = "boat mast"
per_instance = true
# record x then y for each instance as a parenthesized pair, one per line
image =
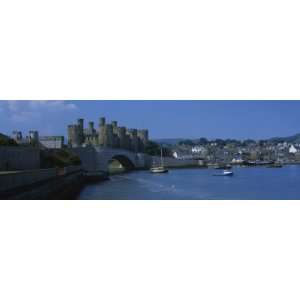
(161, 157)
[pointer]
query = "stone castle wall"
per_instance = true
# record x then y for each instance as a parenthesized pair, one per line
(19, 158)
(107, 135)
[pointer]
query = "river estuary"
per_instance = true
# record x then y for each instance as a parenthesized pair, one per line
(247, 183)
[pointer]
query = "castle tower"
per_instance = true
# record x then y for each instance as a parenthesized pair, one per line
(127, 140)
(91, 129)
(122, 137)
(134, 145)
(33, 136)
(108, 135)
(73, 136)
(101, 131)
(115, 126)
(80, 130)
(17, 135)
(143, 135)
(102, 121)
(116, 140)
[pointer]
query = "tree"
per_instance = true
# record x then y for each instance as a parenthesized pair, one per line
(248, 142)
(262, 143)
(219, 142)
(187, 143)
(6, 141)
(153, 149)
(203, 141)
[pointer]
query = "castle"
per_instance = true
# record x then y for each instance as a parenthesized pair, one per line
(107, 135)
(51, 142)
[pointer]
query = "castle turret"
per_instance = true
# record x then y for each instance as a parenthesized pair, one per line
(80, 130)
(91, 126)
(122, 137)
(127, 140)
(91, 129)
(17, 135)
(101, 134)
(134, 145)
(114, 126)
(33, 136)
(116, 139)
(108, 135)
(143, 135)
(101, 121)
(73, 136)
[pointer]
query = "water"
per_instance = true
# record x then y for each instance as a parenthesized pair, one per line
(247, 183)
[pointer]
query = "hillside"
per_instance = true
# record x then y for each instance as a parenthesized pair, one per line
(51, 158)
(6, 141)
(169, 141)
(294, 139)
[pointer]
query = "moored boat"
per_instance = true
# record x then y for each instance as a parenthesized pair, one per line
(161, 168)
(224, 173)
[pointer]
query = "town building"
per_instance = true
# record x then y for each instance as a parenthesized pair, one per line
(292, 149)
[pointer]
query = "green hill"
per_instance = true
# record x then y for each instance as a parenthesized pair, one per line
(51, 158)
(294, 139)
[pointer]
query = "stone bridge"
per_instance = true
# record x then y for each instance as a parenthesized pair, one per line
(97, 158)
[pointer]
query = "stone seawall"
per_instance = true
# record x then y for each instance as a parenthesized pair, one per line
(19, 158)
(52, 183)
(170, 162)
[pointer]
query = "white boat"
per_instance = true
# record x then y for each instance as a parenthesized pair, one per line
(225, 173)
(161, 168)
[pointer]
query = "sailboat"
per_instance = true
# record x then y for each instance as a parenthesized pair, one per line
(161, 168)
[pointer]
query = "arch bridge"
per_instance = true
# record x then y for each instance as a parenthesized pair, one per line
(97, 158)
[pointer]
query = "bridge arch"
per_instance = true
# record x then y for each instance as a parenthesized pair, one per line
(97, 158)
(124, 160)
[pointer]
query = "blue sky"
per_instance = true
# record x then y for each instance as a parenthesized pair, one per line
(164, 119)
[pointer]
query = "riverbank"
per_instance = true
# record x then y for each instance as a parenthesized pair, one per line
(53, 183)
(69, 182)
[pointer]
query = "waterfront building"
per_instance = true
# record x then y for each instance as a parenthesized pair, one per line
(292, 149)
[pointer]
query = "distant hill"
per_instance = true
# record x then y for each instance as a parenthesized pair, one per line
(294, 139)
(169, 141)
(3, 136)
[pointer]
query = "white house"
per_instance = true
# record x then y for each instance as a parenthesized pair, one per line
(292, 149)
(175, 155)
(197, 149)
